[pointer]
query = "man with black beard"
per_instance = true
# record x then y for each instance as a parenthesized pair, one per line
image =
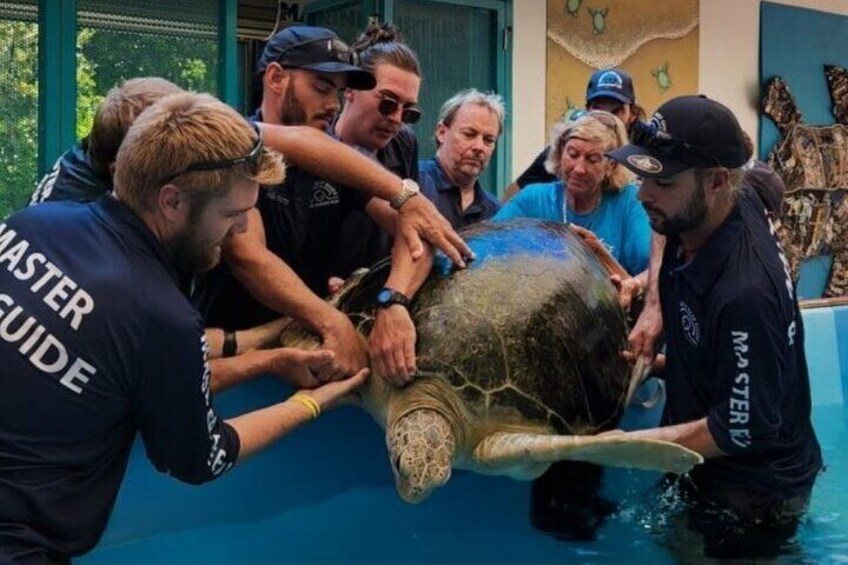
(303, 71)
(737, 385)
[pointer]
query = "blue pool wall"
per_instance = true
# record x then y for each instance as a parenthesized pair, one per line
(326, 491)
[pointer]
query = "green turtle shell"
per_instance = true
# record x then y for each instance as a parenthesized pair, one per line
(529, 333)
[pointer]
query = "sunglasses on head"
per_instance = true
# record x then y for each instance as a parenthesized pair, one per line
(388, 106)
(665, 145)
(253, 159)
(335, 49)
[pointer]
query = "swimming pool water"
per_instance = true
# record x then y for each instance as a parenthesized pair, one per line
(320, 497)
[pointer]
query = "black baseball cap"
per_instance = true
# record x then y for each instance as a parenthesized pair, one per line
(684, 133)
(611, 83)
(315, 49)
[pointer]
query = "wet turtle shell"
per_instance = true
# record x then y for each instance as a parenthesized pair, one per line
(528, 334)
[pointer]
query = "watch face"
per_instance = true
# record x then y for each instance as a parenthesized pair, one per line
(384, 296)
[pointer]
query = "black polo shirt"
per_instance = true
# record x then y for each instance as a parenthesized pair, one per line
(436, 186)
(363, 242)
(536, 173)
(98, 344)
(72, 178)
(303, 220)
(735, 348)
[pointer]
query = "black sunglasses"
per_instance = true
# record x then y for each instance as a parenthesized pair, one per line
(388, 106)
(253, 158)
(667, 146)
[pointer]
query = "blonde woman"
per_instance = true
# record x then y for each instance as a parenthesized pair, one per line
(593, 192)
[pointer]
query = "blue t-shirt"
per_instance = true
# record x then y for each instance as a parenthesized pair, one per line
(619, 219)
(97, 344)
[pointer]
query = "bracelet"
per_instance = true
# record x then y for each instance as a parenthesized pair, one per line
(230, 347)
(308, 402)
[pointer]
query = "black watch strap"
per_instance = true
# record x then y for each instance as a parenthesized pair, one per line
(389, 297)
(230, 344)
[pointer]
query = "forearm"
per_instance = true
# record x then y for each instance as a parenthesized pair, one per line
(695, 435)
(259, 337)
(407, 275)
(652, 277)
(258, 429)
(308, 148)
(268, 279)
(231, 371)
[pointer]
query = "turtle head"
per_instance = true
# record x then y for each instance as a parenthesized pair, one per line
(421, 447)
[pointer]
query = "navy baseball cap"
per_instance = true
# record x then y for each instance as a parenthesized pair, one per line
(315, 49)
(684, 133)
(611, 83)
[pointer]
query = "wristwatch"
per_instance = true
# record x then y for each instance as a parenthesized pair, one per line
(389, 297)
(408, 189)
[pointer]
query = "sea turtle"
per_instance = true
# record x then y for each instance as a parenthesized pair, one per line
(572, 7)
(813, 163)
(517, 348)
(661, 74)
(599, 19)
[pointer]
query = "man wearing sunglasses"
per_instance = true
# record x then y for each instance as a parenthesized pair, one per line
(737, 385)
(294, 232)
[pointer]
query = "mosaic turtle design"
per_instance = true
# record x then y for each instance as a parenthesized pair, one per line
(518, 363)
(599, 19)
(813, 163)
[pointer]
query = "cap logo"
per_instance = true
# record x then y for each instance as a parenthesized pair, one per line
(658, 121)
(645, 163)
(611, 79)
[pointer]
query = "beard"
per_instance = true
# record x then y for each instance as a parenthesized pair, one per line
(192, 256)
(691, 217)
(292, 112)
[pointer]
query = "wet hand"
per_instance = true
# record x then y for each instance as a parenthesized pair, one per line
(391, 345)
(419, 219)
(348, 347)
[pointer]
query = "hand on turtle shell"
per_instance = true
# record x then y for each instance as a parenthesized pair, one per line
(644, 335)
(337, 393)
(628, 289)
(419, 219)
(391, 345)
(299, 367)
(345, 342)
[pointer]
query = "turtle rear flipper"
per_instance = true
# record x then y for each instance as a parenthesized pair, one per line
(508, 452)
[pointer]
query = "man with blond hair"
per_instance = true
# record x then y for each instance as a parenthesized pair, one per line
(99, 344)
(83, 173)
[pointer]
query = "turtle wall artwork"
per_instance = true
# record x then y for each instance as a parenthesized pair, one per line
(656, 42)
(518, 362)
(813, 163)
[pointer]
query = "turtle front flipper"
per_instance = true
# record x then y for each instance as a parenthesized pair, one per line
(517, 454)
(421, 447)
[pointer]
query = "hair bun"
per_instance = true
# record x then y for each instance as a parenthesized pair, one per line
(378, 33)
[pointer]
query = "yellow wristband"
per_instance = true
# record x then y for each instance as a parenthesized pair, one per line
(308, 402)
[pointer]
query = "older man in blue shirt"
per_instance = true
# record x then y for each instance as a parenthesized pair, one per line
(468, 130)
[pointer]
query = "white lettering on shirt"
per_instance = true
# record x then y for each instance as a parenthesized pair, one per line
(740, 406)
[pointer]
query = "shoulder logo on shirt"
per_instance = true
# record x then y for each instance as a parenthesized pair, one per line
(689, 324)
(323, 194)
